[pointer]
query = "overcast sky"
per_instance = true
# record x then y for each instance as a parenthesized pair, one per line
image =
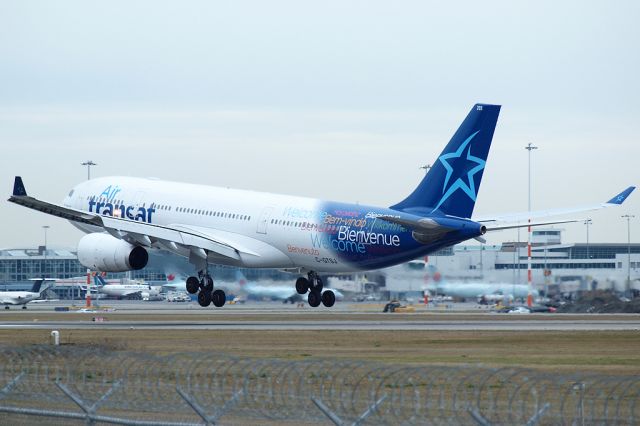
(342, 100)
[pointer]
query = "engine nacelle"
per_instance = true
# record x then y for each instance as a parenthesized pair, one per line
(105, 253)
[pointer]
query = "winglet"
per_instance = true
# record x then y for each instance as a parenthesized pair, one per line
(18, 188)
(619, 199)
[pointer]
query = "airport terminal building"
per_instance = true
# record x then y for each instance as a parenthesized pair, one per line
(557, 267)
(564, 266)
(24, 264)
(18, 266)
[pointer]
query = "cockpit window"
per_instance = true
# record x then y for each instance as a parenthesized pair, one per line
(71, 193)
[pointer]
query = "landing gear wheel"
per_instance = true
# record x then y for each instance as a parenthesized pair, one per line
(218, 298)
(207, 283)
(7, 307)
(193, 285)
(302, 285)
(204, 298)
(314, 298)
(24, 306)
(328, 298)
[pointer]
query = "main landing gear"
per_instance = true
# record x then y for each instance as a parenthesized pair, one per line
(313, 285)
(203, 285)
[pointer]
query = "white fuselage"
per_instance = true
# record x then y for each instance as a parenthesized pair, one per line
(283, 231)
(126, 290)
(17, 297)
(474, 290)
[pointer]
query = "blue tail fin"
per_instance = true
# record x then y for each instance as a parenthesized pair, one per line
(41, 284)
(99, 281)
(37, 284)
(452, 184)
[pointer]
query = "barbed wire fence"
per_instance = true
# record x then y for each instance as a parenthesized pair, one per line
(111, 387)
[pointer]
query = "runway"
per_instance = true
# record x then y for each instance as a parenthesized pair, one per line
(127, 315)
(550, 325)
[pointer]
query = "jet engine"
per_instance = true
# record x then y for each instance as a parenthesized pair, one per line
(105, 253)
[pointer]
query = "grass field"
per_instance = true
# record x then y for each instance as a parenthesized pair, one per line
(613, 352)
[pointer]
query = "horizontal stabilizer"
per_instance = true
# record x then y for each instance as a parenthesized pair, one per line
(521, 218)
(427, 230)
(525, 225)
(420, 224)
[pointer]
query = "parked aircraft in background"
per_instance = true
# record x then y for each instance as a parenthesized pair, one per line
(23, 297)
(487, 292)
(126, 217)
(427, 278)
(127, 291)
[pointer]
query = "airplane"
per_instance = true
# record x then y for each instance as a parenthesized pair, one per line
(433, 282)
(126, 291)
(488, 292)
(23, 297)
(126, 217)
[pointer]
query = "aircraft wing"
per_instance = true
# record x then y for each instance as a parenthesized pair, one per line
(519, 220)
(171, 237)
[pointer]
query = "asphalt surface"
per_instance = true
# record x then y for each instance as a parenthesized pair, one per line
(332, 325)
(353, 316)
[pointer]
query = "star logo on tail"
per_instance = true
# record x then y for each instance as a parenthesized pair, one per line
(460, 161)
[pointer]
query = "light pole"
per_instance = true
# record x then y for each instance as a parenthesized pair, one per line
(89, 163)
(481, 262)
(628, 217)
(530, 147)
(45, 227)
(587, 223)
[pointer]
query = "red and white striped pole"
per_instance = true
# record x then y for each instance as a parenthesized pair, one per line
(529, 271)
(529, 148)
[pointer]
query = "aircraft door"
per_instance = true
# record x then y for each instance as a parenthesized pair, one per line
(264, 220)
